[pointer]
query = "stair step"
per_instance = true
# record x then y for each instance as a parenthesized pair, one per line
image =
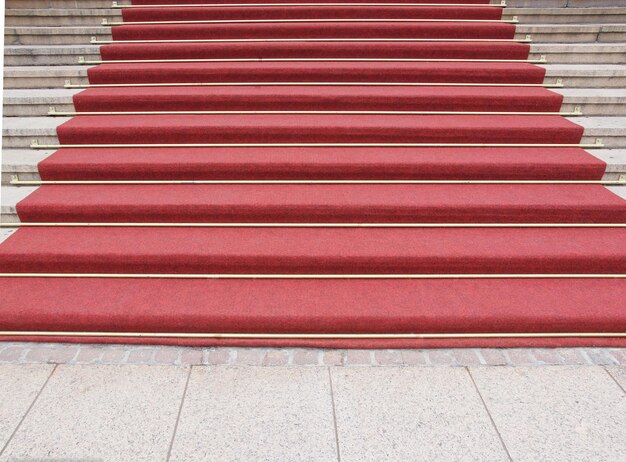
(572, 33)
(324, 204)
(541, 33)
(33, 77)
(594, 15)
(320, 98)
(588, 53)
(306, 163)
(59, 17)
(36, 102)
(317, 128)
(587, 75)
(27, 103)
(318, 250)
(392, 306)
(63, 35)
(51, 55)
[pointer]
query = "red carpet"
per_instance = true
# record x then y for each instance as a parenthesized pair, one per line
(308, 306)
(415, 30)
(318, 72)
(320, 98)
(259, 13)
(325, 203)
(328, 163)
(318, 128)
(317, 50)
(306, 251)
(311, 307)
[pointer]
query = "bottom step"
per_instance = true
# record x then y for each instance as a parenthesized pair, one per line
(318, 306)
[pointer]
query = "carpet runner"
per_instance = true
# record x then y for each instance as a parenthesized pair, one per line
(306, 130)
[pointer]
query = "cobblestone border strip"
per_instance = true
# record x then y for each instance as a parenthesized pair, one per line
(63, 353)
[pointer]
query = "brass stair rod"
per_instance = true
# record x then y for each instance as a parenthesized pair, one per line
(307, 225)
(82, 60)
(597, 144)
(95, 41)
(314, 336)
(16, 182)
(313, 276)
(282, 5)
(69, 84)
(105, 22)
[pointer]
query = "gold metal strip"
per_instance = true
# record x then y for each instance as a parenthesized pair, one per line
(558, 84)
(314, 336)
(598, 144)
(527, 39)
(53, 112)
(310, 225)
(105, 22)
(82, 60)
(310, 276)
(18, 182)
(282, 5)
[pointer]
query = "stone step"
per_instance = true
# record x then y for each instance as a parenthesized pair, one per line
(541, 33)
(36, 102)
(27, 35)
(587, 76)
(11, 195)
(573, 75)
(572, 33)
(588, 53)
(592, 15)
(50, 55)
(43, 76)
(555, 53)
(23, 163)
(18, 132)
(60, 16)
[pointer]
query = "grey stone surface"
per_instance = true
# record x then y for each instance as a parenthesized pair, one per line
(556, 414)
(19, 386)
(102, 413)
(5, 233)
(412, 414)
(619, 190)
(619, 375)
(255, 413)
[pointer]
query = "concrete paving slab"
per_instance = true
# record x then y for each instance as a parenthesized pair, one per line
(556, 414)
(255, 413)
(19, 386)
(619, 375)
(102, 413)
(409, 414)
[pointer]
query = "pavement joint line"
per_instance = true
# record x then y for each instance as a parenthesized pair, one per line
(332, 402)
(180, 410)
(493, 422)
(614, 379)
(32, 404)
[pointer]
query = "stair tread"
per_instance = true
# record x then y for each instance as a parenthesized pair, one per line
(351, 250)
(311, 306)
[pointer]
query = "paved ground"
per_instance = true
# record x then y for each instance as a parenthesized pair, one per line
(118, 403)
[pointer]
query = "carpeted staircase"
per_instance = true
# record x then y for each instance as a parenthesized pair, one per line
(323, 174)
